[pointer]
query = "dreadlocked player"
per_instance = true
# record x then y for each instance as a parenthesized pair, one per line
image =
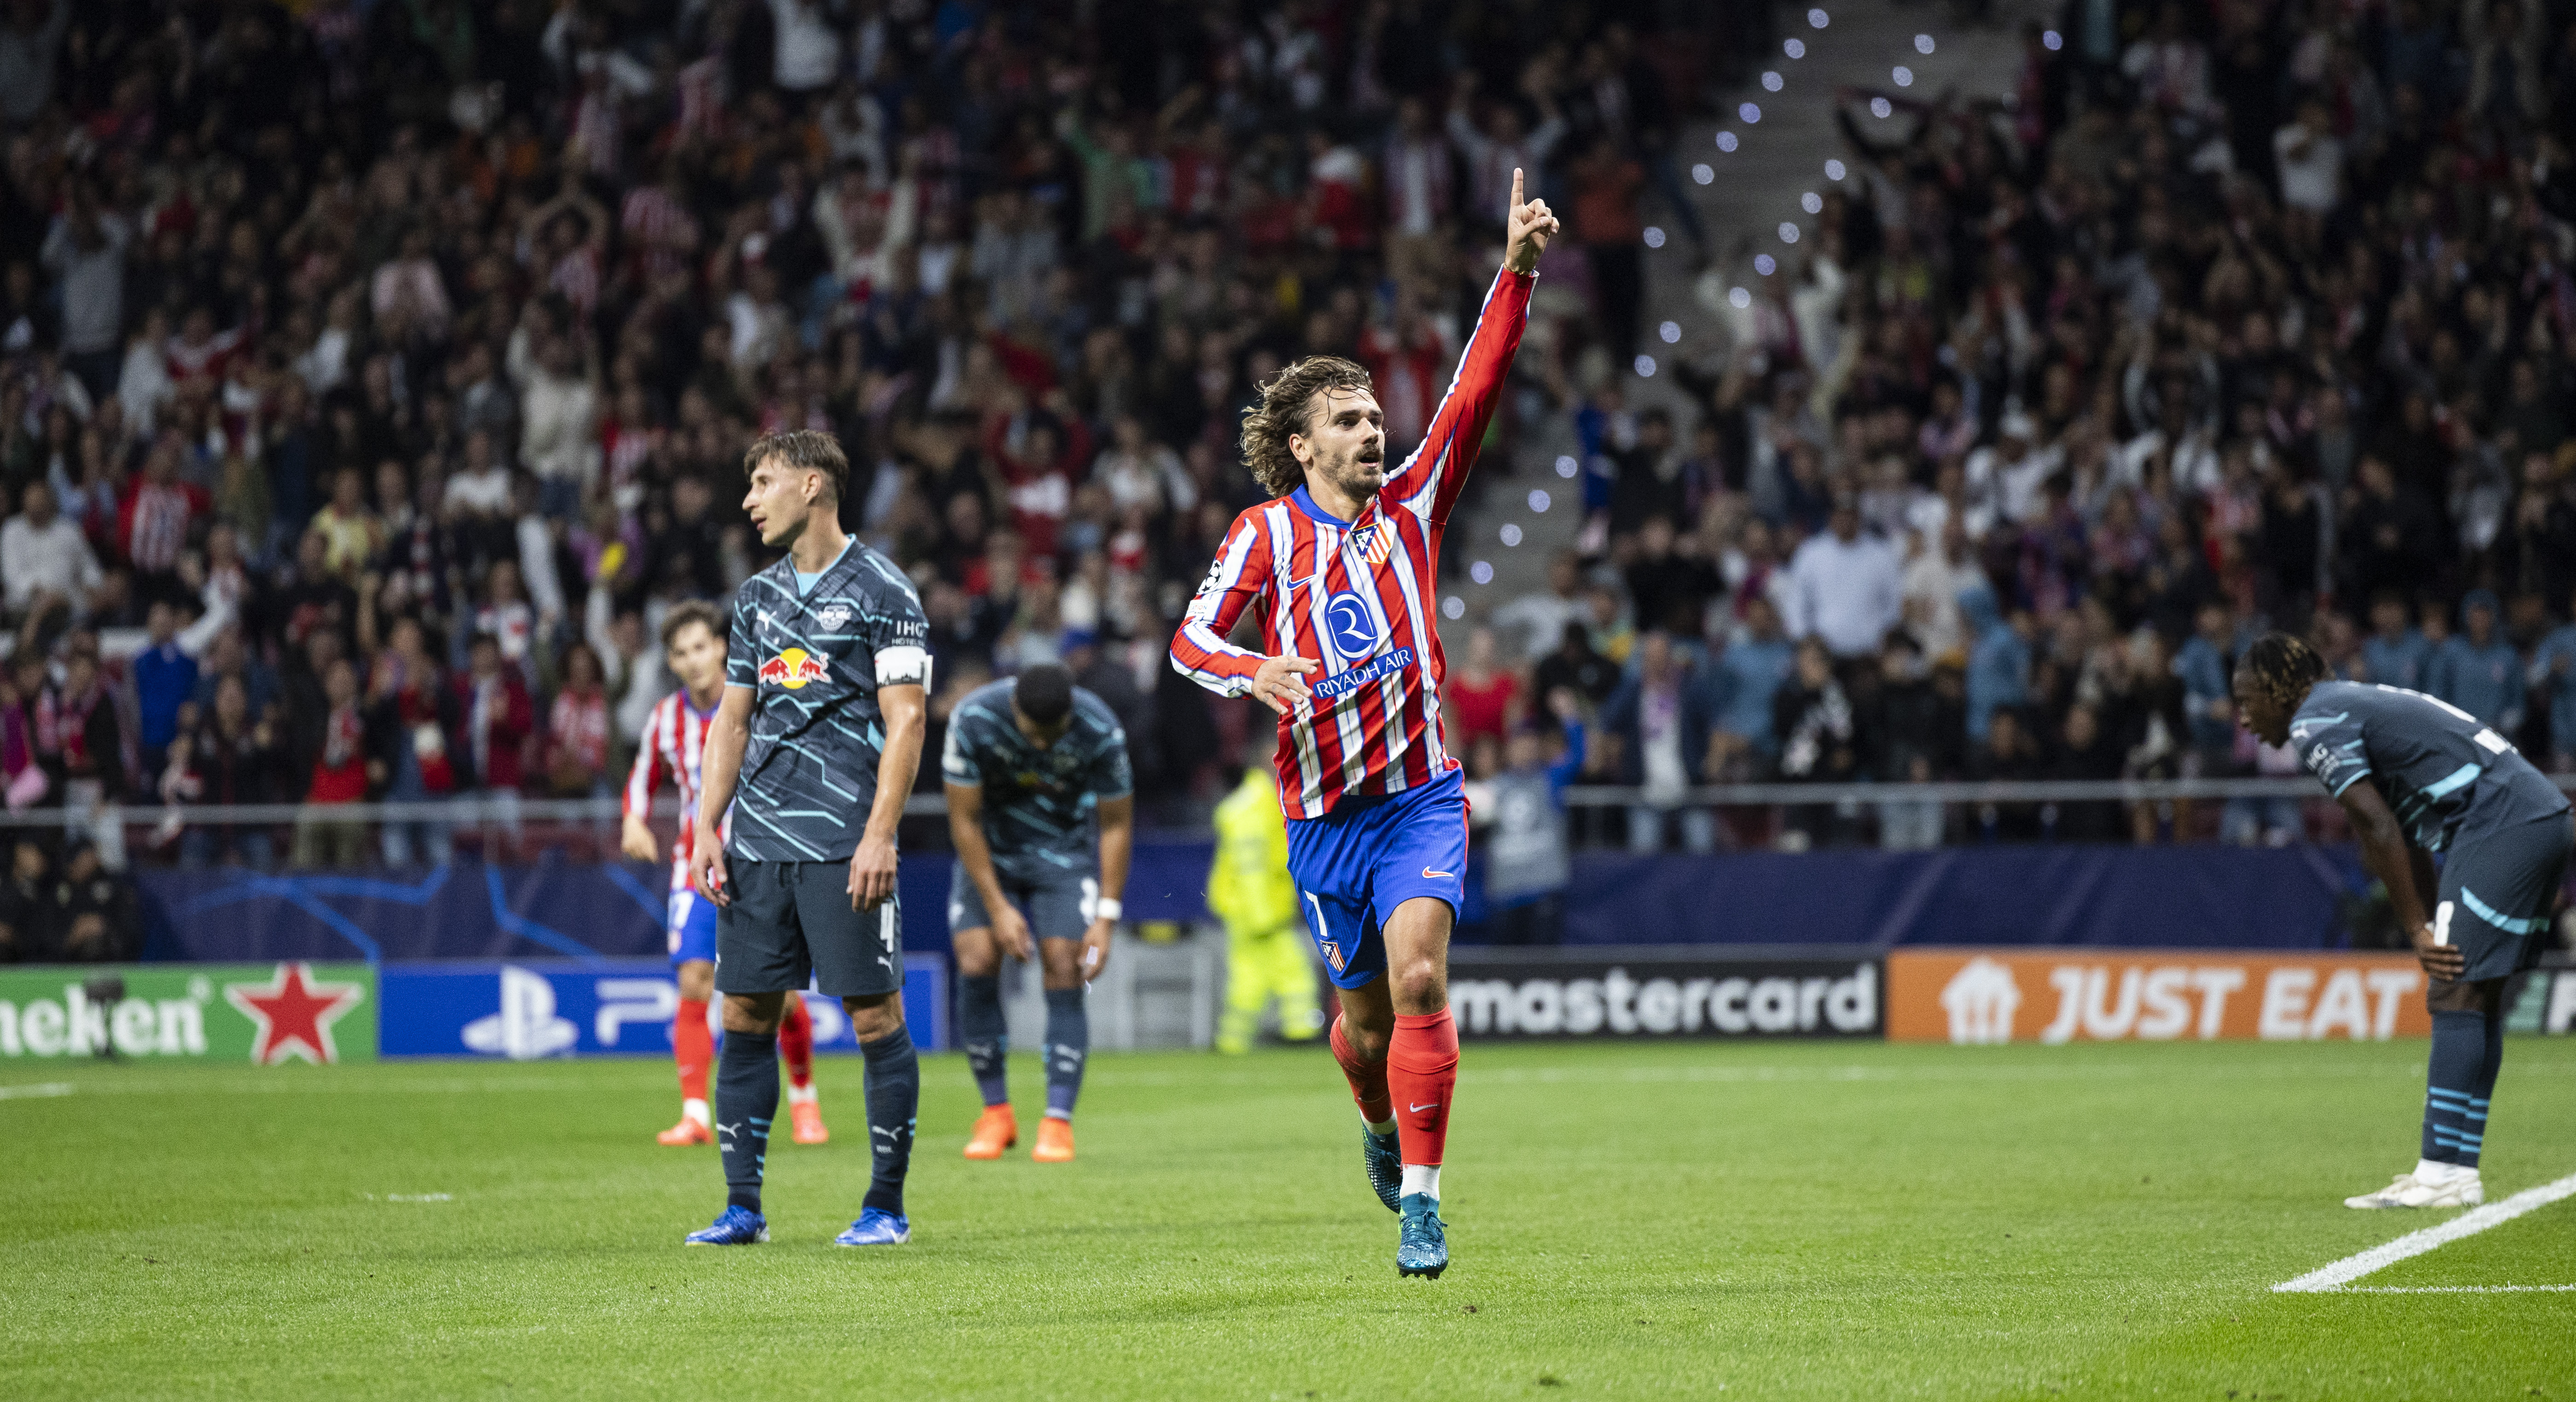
(2438, 781)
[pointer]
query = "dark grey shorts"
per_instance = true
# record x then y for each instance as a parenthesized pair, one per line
(791, 922)
(2499, 888)
(1056, 909)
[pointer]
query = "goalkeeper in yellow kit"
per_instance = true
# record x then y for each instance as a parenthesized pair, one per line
(1265, 940)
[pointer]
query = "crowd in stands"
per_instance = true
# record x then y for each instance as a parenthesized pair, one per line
(374, 374)
(2237, 316)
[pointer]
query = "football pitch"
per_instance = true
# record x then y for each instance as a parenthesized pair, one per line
(1807, 1220)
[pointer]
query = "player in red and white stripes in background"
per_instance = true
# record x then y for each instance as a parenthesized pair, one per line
(1344, 564)
(675, 736)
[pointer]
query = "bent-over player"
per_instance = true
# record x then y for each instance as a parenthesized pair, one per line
(2419, 776)
(1033, 767)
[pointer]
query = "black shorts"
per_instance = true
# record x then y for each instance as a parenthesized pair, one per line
(1059, 908)
(2499, 888)
(790, 923)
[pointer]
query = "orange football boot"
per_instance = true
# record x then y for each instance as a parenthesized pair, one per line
(1055, 1141)
(807, 1116)
(995, 1130)
(687, 1131)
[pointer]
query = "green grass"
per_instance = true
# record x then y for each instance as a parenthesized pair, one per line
(1643, 1221)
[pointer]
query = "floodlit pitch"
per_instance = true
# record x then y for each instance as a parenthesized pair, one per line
(1820, 1220)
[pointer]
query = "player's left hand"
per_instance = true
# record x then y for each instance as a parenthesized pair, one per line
(2442, 961)
(1095, 948)
(1530, 225)
(872, 870)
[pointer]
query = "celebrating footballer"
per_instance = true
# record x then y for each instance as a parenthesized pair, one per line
(1343, 565)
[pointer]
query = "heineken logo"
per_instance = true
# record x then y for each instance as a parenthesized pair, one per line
(262, 1014)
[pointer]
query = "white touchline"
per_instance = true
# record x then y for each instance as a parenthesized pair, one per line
(2445, 1289)
(2469, 1223)
(37, 1089)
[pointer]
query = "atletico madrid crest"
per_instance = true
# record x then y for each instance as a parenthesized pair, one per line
(1374, 542)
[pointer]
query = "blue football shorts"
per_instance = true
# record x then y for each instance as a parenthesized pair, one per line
(1370, 854)
(692, 926)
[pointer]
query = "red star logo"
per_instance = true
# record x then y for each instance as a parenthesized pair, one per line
(294, 1014)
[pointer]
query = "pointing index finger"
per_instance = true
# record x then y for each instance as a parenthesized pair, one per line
(1516, 189)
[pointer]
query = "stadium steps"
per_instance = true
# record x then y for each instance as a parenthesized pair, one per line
(1756, 187)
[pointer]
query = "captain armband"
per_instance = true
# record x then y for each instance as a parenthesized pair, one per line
(903, 666)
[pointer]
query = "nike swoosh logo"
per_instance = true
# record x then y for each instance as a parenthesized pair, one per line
(1417, 1109)
(1439, 875)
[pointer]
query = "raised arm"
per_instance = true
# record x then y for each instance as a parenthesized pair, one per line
(1429, 482)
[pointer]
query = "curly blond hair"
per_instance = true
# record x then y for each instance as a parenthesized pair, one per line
(1287, 407)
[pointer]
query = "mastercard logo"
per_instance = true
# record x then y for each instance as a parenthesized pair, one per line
(793, 668)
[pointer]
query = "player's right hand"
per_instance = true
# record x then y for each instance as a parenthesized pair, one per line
(1011, 931)
(636, 840)
(1281, 682)
(707, 867)
(2442, 961)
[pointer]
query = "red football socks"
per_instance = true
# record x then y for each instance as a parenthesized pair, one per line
(796, 1042)
(1368, 1079)
(692, 1047)
(1422, 1071)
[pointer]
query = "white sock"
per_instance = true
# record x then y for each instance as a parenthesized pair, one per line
(695, 1109)
(2427, 1171)
(1423, 1178)
(801, 1095)
(1380, 1128)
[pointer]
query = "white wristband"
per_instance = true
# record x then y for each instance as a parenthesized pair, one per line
(1107, 908)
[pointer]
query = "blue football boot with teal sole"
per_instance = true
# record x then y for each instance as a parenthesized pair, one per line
(1385, 1161)
(1423, 1247)
(735, 1226)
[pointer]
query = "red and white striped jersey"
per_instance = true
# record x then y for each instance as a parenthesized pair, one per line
(1357, 597)
(674, 736)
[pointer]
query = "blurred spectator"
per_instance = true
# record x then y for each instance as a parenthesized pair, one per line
(414, 726)
(577, 729)
(499, 721)
(92, 911)
(1844, 587)
(2479, 671)
(1526, 846)
(1750, 672)
(165, 685)
(1656, 736)
(1813, 719)
(45, 562)
(232, 756)
(26, 927)
(340, 774)
(1535, 621)
(1481, 693)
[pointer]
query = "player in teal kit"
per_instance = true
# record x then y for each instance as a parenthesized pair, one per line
(1041, 805)
(2420, 776)
(813, 748)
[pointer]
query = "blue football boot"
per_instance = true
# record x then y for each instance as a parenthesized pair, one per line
(876, 1227)
(1385, 1163)
(735, 1226)
(1423, 1248)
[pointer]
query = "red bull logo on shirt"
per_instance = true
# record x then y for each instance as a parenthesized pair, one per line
(793, 668)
